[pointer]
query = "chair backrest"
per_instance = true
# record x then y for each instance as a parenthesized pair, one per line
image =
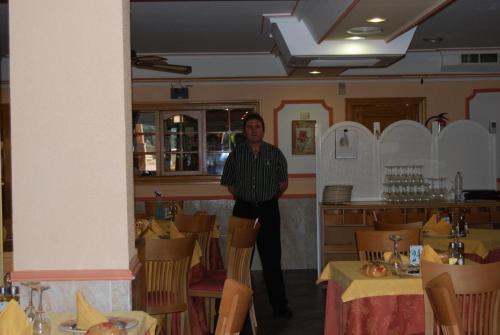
(240, 253)
(235, 303)
(165, 267)
(233, 223)
(443, 301)
(478, 291)
(200, 226)
(397, 226)
(390, 216)
(372, 244)
(400, 226)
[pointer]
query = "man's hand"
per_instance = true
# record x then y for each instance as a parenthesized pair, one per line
(231, 190)
(283, 186)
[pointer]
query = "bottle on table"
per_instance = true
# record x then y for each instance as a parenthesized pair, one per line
(458, 187)
(159, 206)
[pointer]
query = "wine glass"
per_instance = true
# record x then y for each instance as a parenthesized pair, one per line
(41, 323)
(395, 261)
(30, 310)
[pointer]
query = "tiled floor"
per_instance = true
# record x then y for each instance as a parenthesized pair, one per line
(306, 299)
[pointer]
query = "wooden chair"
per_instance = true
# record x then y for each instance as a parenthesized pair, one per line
(372, 244)
(239, 262)
(478, 291)
(163, 279)
(389, 216)
(235, 302)
(444, 304)
(397, 226)
(400, 226)
(200, 226)
(234, 223)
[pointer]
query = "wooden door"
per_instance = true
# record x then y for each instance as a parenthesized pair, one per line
(6, 172)
(384, 110)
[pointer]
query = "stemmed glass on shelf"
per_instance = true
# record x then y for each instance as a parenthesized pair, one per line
(30, 310)
(41, 323)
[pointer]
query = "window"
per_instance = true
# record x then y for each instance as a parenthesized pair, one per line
(192, 138)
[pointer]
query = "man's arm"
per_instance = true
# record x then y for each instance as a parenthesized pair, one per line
(282, 174)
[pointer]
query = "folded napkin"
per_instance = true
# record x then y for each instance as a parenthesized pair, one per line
(440, 227)
(156, 227)
(13, 320)
(404, 258)
(175, 233)
(430, 255)
(86, 315)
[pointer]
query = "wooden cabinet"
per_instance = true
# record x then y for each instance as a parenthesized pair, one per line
(340, 222)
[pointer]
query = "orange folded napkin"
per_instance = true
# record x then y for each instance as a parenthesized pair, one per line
(13, 320)
(430, 255)
(86, 315)
(440, 227)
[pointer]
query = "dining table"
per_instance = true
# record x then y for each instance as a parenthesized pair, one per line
(357, 304)
(144, 325)
(480, 245)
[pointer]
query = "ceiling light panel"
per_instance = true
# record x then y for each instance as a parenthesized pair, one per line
(399, 15)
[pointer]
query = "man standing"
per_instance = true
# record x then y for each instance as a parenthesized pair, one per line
(256, 175)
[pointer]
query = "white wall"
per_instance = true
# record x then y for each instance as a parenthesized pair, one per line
(71, 145)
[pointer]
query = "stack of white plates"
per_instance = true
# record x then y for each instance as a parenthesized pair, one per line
(337, 193)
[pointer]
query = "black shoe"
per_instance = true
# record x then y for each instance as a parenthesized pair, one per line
(283, 312)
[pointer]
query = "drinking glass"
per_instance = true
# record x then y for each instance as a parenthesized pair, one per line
(395, 261)
(30, 310)
(41, 323)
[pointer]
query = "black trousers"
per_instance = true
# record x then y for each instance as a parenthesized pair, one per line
(268, 244)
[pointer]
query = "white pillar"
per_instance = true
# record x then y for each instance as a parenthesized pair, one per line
(71, 143)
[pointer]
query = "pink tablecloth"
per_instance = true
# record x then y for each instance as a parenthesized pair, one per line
(492, 257)
(384, 315)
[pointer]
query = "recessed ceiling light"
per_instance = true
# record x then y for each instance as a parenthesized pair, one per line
(375, 19)
(355, 38)
(314, 72)
(364, 30)
(432, 39)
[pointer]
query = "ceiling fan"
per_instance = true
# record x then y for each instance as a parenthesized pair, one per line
(157, 63)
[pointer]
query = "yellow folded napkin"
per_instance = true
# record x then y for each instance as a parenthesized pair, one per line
(175, 233)
(441, 227)
(404, 258)
(13, 320)
(156, 227)
(86, 315)
(430, 255)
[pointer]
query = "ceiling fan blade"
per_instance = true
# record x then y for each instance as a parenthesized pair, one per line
(150, 58)
(180, 69)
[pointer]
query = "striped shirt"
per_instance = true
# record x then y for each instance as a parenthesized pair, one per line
(255, 179)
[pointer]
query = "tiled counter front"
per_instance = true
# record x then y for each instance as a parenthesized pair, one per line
(106, 296)
(340, 222)
(298, 229)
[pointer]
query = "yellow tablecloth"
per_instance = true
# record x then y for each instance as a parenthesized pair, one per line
(478, 241)
(347, 275)
(146, 325)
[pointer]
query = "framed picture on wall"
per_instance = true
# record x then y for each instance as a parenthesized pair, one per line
(303, 137)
